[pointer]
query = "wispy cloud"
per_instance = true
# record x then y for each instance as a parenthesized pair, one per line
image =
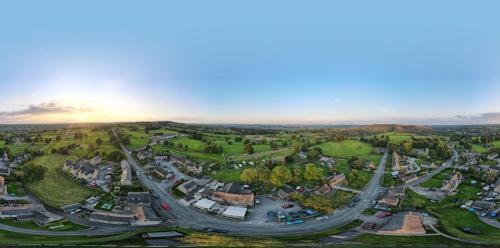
(44, 108)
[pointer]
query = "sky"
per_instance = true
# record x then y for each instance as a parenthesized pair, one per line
(268, 62)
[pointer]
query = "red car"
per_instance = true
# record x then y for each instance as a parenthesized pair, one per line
(287, 205)
(165, 206)
(384, 214)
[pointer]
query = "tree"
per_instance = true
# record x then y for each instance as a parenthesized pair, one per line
(248, 149)
(98, 141)
(313, 172)
(273, 145)
(115, 156)
(354, 173)
(33, 173)
(263, 174)
(126, 140)
(280, 176)
(313, 155)
(297, 173)
(249, 175)
(58, 138)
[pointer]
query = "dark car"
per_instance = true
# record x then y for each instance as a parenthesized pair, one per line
(352, 204)
(369, 226)
(287, 205)
(294, 215)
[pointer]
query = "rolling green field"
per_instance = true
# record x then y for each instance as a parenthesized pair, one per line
(437, 181)
(55, 189)
(400, 137)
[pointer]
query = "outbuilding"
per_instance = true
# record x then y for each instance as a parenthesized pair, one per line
(235, 212)
(204, 204)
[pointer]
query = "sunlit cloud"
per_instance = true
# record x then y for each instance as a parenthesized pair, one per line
(45, 108)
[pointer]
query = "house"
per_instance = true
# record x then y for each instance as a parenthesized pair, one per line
(95, 160)
(324, 190)
(3, 188)
(419, 152)
(397, 191)
(391, 198)
(71, 207)
(43, 218)
(235, 212)
(497, 186)
(483, 205)
(161, 172)
(4, 169)
(410, 178)
(452, 184)
(138, 198)
(188, 187)
(492, 156)
(160, 139)
(337, 180)
(81, 169)
(204, 204)
(235, 194)
(327, 161)
(193, 169)
(370, 165)
(126, 177)
(396, 166)
(112, 218)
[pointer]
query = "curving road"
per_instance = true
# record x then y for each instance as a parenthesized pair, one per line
(190, 218)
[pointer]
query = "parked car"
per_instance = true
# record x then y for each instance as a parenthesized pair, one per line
(287, 205)
(369, 226)
(384, 214)
(165, 206)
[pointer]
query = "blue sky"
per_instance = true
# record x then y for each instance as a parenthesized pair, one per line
(347, 62)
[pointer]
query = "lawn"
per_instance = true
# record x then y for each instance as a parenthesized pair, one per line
(348, 149)
(56, 189)
(227, 175)
(496, 143)
(15, 188)
(432, 183)
(479, 148)
(341, 198)
(400, 137)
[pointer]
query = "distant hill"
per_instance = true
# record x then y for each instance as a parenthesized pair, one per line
(380, 128)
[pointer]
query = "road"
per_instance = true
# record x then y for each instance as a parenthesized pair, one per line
(190, 218)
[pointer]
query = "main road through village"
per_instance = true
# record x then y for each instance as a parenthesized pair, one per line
(188, 217)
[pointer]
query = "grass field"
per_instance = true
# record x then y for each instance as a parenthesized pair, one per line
(356, 183)
(479, 148)
(227, 175)
(437, 181)
(496, 143)
(55, 189)
(346, 149)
